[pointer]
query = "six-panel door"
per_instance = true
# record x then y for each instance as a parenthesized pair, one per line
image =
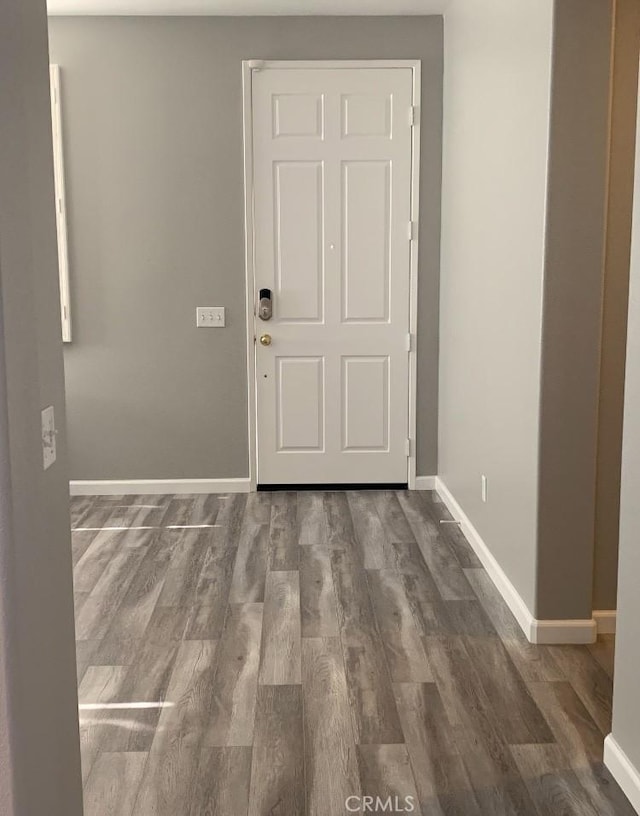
(332, 195)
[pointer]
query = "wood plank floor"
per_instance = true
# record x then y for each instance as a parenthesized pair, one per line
(276, 654)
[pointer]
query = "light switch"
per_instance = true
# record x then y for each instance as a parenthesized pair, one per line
(48, 437)
(210, 317)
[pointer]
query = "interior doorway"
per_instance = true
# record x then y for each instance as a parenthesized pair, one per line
(331, 190)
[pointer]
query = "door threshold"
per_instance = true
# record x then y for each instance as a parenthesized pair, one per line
(333, 486)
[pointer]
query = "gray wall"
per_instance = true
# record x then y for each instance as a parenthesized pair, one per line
(152, 118)
(626, 705)
(572, 308)
(497, 99)
(616, 290)
(39, 744)
(525, 174)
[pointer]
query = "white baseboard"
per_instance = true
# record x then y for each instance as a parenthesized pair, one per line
(425, 482)
(494, 570)
(605, 621)
(556, 632)
(130, 487)
(622, 770)
(536, 631)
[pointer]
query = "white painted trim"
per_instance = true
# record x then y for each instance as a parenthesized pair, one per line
(134, 487)
(623, 771)
(60, 202)
(605, 621)
(249, 265)
(493, 568)
(536, 631)
(424, 483)
(556, 632)
(263, 65)
(247, 126)
(245, 8)
(416, 68)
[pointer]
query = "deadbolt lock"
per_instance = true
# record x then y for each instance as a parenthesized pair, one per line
(265, 339)
(265, 306)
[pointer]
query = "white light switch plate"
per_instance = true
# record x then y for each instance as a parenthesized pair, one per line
(210, 317)
(48, 437)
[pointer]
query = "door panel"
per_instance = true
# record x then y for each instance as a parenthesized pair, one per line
(366, 115)
(300, 403)
(331, 197)
(298, 199)
(365, 408)
(298, 115)
(366, 213)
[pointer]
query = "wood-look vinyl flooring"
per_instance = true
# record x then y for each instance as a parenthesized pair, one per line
(273, 654)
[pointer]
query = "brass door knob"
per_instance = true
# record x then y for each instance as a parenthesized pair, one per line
(265, 339)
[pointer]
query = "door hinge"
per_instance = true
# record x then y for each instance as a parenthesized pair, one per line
(409, 341)
(414, 115)
(407, 447)
(412, 231)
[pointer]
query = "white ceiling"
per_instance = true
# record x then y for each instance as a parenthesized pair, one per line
(246, 7)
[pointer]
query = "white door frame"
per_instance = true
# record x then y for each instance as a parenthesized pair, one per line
(248, 66)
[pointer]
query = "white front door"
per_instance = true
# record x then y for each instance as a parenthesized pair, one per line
(332, 207)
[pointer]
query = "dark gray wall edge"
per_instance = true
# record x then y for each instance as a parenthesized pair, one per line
(38, 651)
(615, 305)
(572, 304)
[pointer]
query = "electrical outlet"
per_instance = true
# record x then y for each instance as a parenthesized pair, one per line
(210, 317)
(483, 487)
(48, 437)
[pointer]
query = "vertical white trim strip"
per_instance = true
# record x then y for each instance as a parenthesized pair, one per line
(60, 202)
(249, 260)
(413, 281)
